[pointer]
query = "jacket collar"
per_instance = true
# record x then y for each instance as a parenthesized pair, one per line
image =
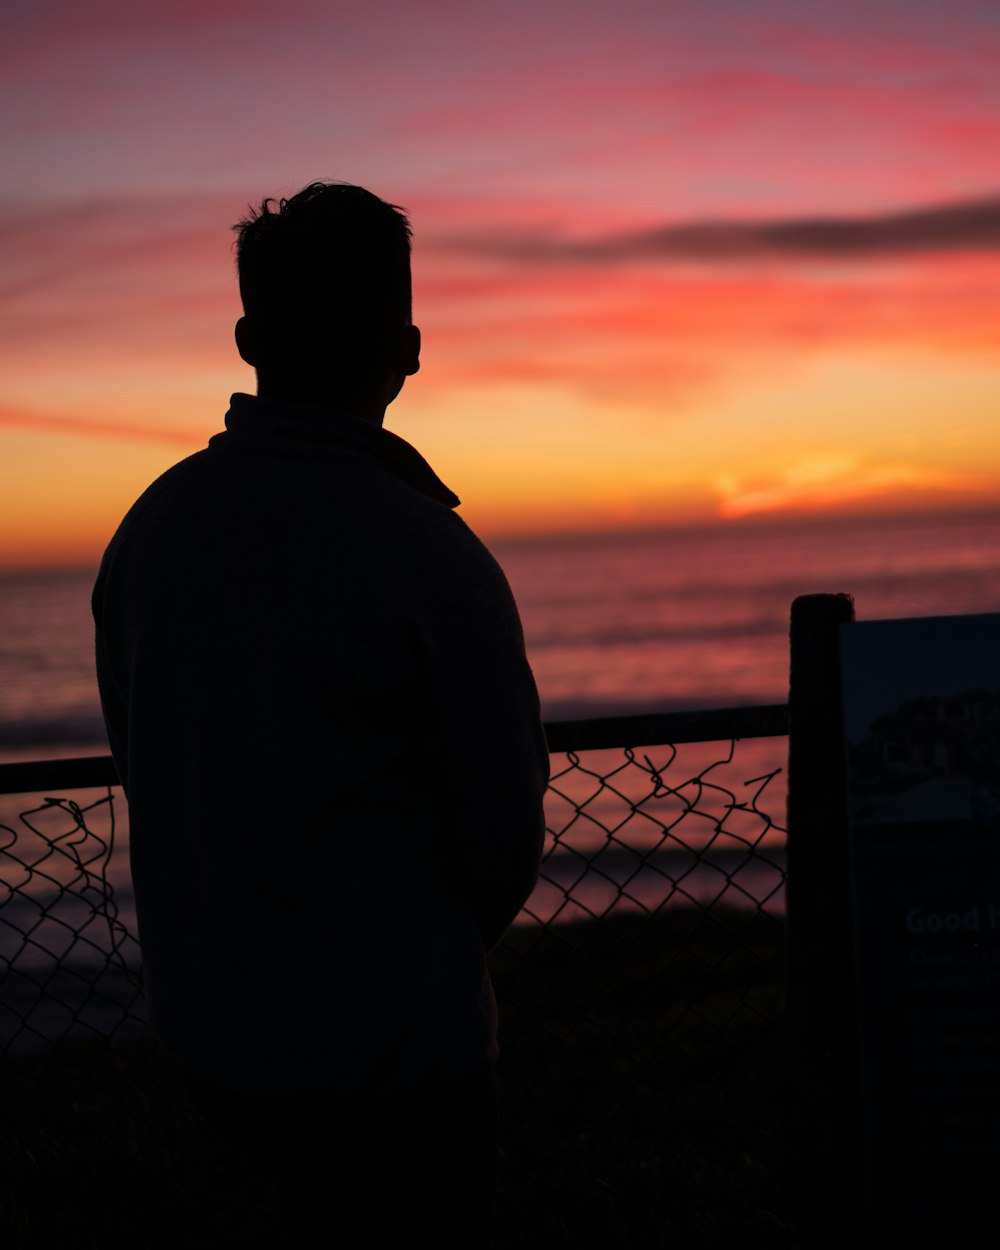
(267, 425)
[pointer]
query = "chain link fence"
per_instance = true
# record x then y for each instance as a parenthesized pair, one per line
(640, 994)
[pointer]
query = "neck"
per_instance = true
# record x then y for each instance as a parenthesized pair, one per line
(306, 391)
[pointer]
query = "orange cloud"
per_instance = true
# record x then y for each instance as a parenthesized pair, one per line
(656, 337)
(90, 427)
(829, 481)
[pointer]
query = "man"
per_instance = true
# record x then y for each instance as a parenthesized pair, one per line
(316, 694)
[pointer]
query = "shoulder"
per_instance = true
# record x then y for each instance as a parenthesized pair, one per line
(170, 489)
(437, 541)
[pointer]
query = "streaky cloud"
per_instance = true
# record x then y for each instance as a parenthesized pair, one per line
(88, 427)
(969, 225)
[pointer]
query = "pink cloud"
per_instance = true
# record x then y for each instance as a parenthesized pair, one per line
(43, 240)
(666, 339)
(113, 269)
(116, 286)
(969, 226)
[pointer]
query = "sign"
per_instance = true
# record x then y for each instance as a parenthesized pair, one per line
(922, 722)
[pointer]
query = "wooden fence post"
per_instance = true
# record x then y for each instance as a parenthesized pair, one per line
(823, 1133)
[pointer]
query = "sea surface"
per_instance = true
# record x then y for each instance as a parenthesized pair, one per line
(614, 623)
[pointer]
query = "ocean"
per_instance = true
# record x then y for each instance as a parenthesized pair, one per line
(614, 623)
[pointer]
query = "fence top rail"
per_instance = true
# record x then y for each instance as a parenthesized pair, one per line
(598, 733)
(79, 773)
(653, 728)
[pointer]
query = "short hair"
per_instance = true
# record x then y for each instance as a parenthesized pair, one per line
(326, 271)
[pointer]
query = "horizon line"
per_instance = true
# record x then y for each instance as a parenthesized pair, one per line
(556, 535)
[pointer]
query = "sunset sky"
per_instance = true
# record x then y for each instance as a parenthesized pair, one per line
(672, 261)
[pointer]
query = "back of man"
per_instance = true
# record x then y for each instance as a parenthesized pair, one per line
(316, 693)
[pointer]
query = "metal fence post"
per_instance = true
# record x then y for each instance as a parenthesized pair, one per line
(822, 1116)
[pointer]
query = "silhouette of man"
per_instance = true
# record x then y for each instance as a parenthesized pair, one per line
(316, 694)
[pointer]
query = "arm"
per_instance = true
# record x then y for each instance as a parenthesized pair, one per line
(486, 743)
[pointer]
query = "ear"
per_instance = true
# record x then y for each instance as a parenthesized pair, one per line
(246, 341)
(409, 351)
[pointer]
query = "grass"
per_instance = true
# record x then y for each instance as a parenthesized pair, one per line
(640, 1078)
(641, 1071)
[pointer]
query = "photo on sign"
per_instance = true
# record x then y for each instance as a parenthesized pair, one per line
(922, 715)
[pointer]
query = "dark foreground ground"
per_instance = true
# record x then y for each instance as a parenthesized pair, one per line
(641, 1087)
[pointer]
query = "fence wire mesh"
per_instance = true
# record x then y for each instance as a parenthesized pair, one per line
(640, 998)
(71, 964)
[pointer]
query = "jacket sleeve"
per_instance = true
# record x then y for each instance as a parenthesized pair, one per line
(485, 742)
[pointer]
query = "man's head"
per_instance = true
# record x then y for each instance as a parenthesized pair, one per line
(327, 298)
